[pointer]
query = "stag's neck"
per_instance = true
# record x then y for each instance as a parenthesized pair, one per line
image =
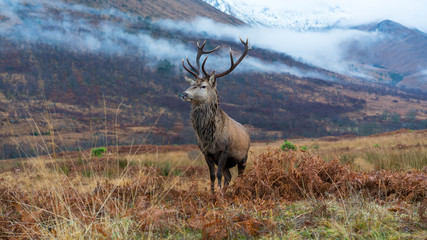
(207, 121)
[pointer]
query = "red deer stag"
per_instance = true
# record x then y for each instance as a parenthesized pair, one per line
(223, 141)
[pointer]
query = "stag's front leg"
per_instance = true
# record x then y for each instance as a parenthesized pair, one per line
(211, 166)
(221, 165)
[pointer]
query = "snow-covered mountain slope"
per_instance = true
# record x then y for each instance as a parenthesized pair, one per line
(251, 13)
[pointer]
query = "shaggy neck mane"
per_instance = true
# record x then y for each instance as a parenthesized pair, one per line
(206, 119)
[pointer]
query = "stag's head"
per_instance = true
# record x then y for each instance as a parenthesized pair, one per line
(203, 86)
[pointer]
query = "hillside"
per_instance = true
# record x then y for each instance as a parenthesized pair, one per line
(82, 77)
(163, 9)
(398, 56)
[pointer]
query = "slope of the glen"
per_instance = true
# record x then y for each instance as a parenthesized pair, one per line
(164, 9)
(77, 77)
(399, 54)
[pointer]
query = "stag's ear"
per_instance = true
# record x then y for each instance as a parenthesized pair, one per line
(212, 80)
(190, 80)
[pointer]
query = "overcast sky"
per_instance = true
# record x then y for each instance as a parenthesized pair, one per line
(411, 13)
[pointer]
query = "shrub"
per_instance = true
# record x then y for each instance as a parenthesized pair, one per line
(98, 151)
(286, 146)
(294, 175)
(123, 162)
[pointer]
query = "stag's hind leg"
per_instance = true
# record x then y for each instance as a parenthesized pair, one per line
(227, 176)
(242, 165)
(221, 167)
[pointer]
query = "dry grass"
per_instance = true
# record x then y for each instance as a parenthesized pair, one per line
(398, 150)
(165, 195)
(371, 187)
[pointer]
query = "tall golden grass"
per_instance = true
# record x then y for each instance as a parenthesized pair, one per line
(399, 150)
(281, 195)
(358, 188)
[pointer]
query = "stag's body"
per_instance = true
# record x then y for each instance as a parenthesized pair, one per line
(223, 141)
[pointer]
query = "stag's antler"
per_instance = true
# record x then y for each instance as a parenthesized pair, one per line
(196, 71)
(233, 65)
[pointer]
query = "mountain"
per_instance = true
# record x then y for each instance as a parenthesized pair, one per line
(399, 54)
(389, 53)
(163, 9)
(256, 15)
(74, 76)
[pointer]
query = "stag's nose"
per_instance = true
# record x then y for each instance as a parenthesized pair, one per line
(184, 95)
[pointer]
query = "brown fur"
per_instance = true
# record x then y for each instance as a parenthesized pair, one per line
(223, 141)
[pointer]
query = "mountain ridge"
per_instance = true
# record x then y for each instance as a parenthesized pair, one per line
(161, 9)
(398, 56)
(283, 19)
(400, 51)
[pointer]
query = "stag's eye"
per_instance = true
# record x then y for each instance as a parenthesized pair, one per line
(203, 86)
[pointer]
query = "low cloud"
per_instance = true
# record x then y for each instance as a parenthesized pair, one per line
(80, 28)
(325, 49)
(76, 27)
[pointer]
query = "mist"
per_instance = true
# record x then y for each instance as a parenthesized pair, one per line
(80, 28)
(56, 23)
(326, 49)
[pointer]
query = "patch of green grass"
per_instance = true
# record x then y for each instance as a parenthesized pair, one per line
(8, 165)
(397, 160)
(315, 146)
(65, 170)
(80, 159)
(98, 152)
(184, 233)
(167, 169)
(304, 148)
(86, 173)
(123, 162)
(288, 146)
(347, 158)
(17, 164)
(356, 219)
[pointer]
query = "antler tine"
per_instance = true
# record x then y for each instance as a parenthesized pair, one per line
(213, 50)
(200, 52)
(204, 42)
(234, 65)
(203, 68)
(246, 43)
(189, 64)
(183, 64)
(195, 71)
(231, 58)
